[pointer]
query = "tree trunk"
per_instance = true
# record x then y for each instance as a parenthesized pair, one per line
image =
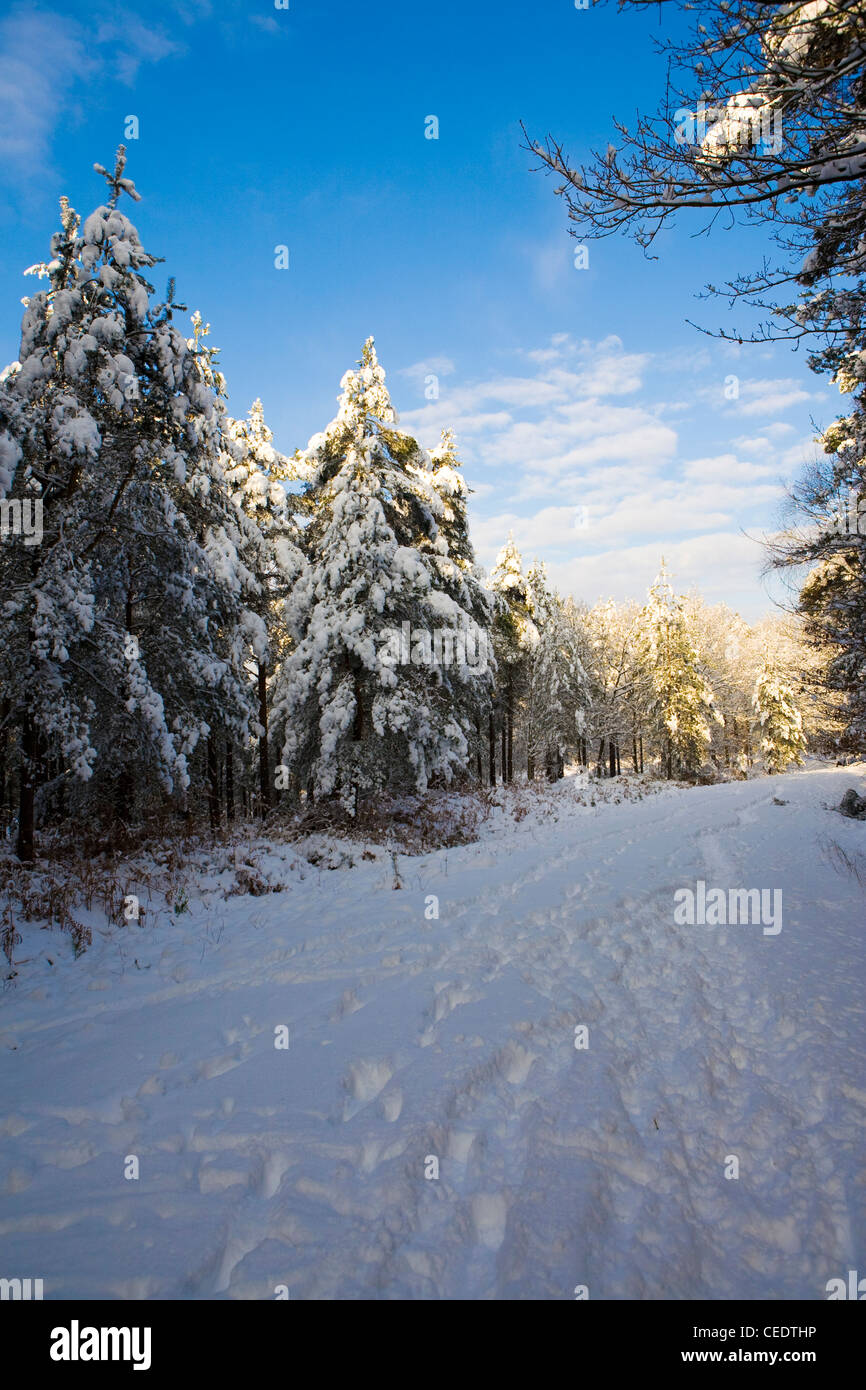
(264, 754)
(27, 791)
(510, 772)
(555, 767)
(358, 725)
(62, 785)
(230, 781)
(5, 791)
(491, 737)
(213, 783)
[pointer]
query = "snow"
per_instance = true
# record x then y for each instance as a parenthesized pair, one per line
(413, 1037)
(10, 457)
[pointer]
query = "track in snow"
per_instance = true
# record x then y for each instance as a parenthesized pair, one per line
(453, 1039)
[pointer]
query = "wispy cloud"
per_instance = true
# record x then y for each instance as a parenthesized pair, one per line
(723, 565)
(750, 396)
(431, 366)
(597, 478)
(771, 397)
(560, 416)
(46, 57)
(133, 42)
(42, 55)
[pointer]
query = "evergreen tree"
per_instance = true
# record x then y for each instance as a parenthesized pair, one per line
(441, 477)
(515, 638)
(449, 483)
(365, 698)
(730, 657)
(680, 700)
(557, 686)
(257, 476)
(778, 720)
(122, 637)
(831, 501)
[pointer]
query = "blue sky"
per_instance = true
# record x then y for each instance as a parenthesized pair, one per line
(593, 420)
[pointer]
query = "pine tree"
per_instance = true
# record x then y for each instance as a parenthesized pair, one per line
(365, 700)
(450, 485)
(730, 655)
(515, 638)
(778, 721)
(680, 700)
(257, 475)
(440, 476)
(832, 501)
(122, 639)
(557, 686)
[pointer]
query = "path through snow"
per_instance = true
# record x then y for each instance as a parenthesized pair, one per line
(454, 1038)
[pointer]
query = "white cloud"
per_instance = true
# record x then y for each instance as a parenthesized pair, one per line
(41, 54)
(45, 56)
(132, 43)
(556, 418)
(770, 397)
(726, 468)
(796, 455)
(724, 565)
(431, 366)
(600, 486)
(552, 261)
(755, 444)
(552, 528)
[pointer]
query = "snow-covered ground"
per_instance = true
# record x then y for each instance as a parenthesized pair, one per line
(414, 1038)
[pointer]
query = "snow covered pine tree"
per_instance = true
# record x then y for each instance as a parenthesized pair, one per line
(779, 723)
(680, 700)
(454, 558)
(257, 474)
(377, 689)
(515, 638)
(122, 634)
(557, 687)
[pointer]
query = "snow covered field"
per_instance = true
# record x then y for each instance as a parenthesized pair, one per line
(414, 1038)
